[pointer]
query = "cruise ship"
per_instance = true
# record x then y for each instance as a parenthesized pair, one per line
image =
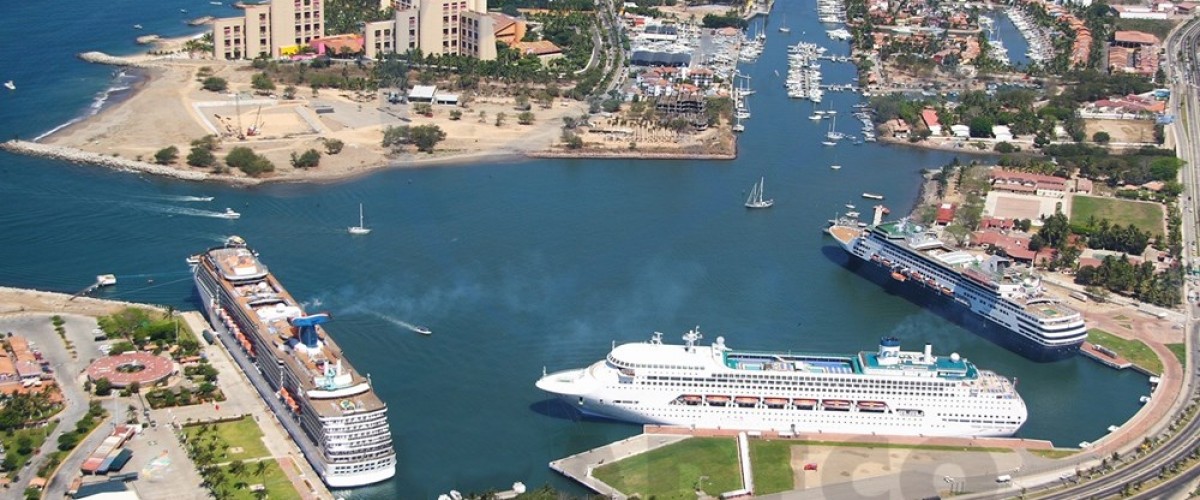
(887, 391)
(1010, 300)
(327, 407)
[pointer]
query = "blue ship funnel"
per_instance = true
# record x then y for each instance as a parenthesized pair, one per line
(307, 326)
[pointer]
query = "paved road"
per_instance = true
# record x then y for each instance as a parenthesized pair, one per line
(37, 329)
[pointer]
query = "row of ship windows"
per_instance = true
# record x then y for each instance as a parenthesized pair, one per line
(614, 361)
(982, 421)
(855, 390)
(350, 469)
(811, 381)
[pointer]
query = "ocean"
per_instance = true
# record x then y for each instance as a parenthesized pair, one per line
(516, 267)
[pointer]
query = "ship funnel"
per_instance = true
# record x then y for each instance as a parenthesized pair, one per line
(928, 353)
(889, 350)
(307, 326)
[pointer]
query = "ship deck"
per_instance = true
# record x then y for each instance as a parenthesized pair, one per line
(266, 303)
(844, 234)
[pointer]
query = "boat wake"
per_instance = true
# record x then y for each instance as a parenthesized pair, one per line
(398, 322)
(122, 82)
(190, 212)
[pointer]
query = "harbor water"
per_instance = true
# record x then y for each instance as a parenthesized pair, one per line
(514, 266)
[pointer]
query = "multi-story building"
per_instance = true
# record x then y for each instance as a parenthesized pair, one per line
(435, 27)
(277, 29)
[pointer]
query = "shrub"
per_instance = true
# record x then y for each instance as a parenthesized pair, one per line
(246, 160)
(260, 81)
(333, 146)
(215, 84)
(201, 157)
(1101, 137)
(307, 159)
(167, 155)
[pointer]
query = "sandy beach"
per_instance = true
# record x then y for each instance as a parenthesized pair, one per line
(169, 108)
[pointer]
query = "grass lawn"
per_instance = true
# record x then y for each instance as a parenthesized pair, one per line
(931, 447)
(671, 472)
(1143, 215)
(238, 487)
(1180, 352)
(1135, 351)
(243, 433)
(36, 435)
(771, 461)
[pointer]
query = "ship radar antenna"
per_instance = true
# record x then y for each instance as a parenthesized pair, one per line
(656, 338)
(691, 337)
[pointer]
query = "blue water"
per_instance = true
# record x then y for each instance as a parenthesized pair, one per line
(1013, 40)
(515, 266)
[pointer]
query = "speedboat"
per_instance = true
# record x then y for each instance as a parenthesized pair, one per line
(137, 26)
(10, 85)
(230, 214)
(828, 143)
(422, 330)
(836, 167)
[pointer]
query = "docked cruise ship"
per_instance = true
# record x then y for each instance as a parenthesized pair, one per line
(887, 391)
(328, 408)
(1017, 314)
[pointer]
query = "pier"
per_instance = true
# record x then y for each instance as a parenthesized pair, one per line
(580, 465)
(1104, 356)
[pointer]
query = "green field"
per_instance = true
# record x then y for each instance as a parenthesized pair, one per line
(1180, 352)
(1143, 215)
(237, 486)
(36, 436)
(771, 462)
(1054, 454)
(242, 433)
(1136, 351)
(673, 471)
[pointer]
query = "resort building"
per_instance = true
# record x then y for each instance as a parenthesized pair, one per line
(277, 29)
(436, 27)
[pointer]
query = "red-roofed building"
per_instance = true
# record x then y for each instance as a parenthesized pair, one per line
(1016, 248)
(945, 214)
(1134, 39)
(338, 44)
(1024, 182)
(930, 117)
(996, 223)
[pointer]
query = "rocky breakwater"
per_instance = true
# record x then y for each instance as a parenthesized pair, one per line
(141, 61)
(117, 163)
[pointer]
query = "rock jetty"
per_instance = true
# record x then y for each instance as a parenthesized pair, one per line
(122, 164)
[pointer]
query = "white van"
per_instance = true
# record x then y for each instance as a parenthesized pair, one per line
(1004, 478)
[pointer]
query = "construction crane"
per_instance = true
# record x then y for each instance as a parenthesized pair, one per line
(253, 130)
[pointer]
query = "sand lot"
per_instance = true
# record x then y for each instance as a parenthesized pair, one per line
(1023, 206)
(840, 464)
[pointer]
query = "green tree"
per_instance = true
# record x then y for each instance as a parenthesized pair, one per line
(307, 159)
(525, 118)
(500, 119)
(333, 146)
(214, 84)
(260, 81)
(396, 136)
(425, 137)
(103, 387)
(981, 126)
(456, 114)
(246, 160)
(289, 92)
(209, 142)
(201, 157)
(167, 155)
(1101, 137)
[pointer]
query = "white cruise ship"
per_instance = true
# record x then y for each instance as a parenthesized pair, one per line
(888, 391)
(328, 408)
(1018, 315)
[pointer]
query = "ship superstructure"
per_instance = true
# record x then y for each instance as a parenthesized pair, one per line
(887, 391)
(1009, 297)
(328, 407)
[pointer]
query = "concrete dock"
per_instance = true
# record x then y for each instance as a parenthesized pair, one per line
(579, 466)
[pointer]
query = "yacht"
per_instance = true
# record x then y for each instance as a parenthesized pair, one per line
(360, 228)
(229, 214)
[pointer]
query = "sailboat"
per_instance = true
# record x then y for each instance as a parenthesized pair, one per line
(783, 26)
(756, 197)
(10, 85)
(833, 134)
(360, 228)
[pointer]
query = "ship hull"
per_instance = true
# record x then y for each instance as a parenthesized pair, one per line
(254, 374)
(956, 312)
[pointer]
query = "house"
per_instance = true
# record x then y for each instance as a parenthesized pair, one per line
(945, 214)
(1002, 133)
(930, 117)
(996, 223)
(899, 128)
(338, 45)
(422, 93)
(1024, 182)
(1016, 248)
(507, 29)
(545, 50)
(960, 131)
(1083, 186)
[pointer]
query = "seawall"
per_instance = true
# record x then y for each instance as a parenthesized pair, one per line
(117, 163)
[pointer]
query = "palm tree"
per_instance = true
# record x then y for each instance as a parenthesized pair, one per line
(237, 467)
(260, 469)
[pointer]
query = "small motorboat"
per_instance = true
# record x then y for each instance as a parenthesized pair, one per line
(137, 26)
(828, 143)
(422, 330)
(230, 214)
(836, 167)
(10, 85)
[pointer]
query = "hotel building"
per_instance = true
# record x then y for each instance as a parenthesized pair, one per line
(276, 29)
(435, 27)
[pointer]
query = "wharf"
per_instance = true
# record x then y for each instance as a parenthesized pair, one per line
(1104, 356)
(579, 466)
(863, 439)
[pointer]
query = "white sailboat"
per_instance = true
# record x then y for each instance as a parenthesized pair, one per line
(756, 196)
(360, 228)
(783, 26)
(833, 134)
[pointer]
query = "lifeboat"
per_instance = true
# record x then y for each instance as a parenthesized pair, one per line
(746, 401)
(775, 402)
(835, 404)
(875, 257)
(876, 406)
(887, 262)
(897, 276)
(716, 400)
(806, 404)
(287, 398)
(691, 399)
(947, 291)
